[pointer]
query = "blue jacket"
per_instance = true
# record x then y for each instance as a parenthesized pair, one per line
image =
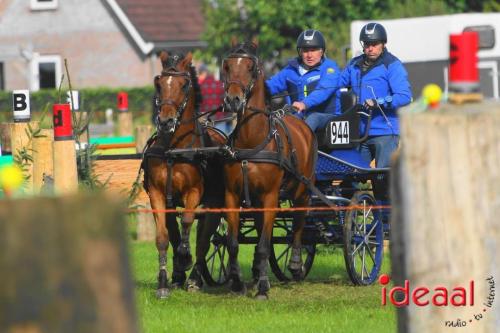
(386, 81)
(316, 88)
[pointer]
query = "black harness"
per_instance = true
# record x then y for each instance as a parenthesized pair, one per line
(167, 150)
(275, 120)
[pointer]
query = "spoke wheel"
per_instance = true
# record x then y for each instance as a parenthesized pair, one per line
(215, 273)
(282, 251)
(363, 240)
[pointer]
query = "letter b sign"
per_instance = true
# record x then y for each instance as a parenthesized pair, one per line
(21, 105)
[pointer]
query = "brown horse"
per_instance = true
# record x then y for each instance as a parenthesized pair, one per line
(273, 151)
(181, 180)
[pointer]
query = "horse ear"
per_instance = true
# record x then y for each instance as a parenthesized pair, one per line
(234, 41)
(186, 62)
(255, 41)
(163, 57)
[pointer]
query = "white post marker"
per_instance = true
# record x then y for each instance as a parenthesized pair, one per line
(21, 106)
(73, 98)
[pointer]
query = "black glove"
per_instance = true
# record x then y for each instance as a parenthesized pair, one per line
(371, 104)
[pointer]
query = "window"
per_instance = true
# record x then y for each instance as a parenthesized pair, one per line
(2, 80)
(486, 35)
(45, 72)
(43, 4)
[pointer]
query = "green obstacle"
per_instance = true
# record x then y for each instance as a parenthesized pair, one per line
(111, 140)
(5, 160)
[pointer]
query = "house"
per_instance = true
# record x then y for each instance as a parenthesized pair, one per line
(112, 43)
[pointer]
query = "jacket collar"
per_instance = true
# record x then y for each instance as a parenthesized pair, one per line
(377, 62)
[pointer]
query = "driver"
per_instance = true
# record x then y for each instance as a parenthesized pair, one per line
(380, 81)
(311, 80)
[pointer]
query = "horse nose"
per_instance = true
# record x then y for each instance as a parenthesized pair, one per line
(234, 103)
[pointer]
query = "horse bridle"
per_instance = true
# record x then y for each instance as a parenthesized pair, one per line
(172, 122)
(247, 90)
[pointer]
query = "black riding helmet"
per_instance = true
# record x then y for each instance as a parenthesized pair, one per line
(311, 39)
(373, 32)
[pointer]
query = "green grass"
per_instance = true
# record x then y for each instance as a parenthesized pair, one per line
(325, 302)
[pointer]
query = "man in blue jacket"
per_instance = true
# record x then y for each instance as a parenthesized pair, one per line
(380, 81)
(310, 79)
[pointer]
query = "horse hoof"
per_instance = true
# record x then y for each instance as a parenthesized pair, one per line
(238, 288)
(261, 296)
(162, 293)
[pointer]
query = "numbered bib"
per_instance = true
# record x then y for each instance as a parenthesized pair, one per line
(339, 132)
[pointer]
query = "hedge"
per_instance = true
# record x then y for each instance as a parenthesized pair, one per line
(92, 99)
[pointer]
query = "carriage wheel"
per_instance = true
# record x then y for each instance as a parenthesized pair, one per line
(215, 273)
(363, 240)
(282, 251)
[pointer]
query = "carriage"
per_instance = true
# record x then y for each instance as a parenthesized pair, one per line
(342, 209)
(358, 223)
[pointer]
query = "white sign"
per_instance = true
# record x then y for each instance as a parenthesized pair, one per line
(21, 105)
(76, 105)
(339, 131)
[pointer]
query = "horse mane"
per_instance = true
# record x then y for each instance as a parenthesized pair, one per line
(245, 48)
(196, 86)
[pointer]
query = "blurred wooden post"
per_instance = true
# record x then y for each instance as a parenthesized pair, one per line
(146, 230)
(65, 266)
(125, 124)
(65, 169)
(74, 100)
(446, 203)
(82, 118)
(21, 140)
(5, 138)
(43, 158)
(142, 134)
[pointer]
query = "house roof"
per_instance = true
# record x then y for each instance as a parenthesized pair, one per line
(157, 24)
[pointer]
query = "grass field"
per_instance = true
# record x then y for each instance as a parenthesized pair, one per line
(325, 302)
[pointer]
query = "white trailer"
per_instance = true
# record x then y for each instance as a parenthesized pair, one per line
(422, 44)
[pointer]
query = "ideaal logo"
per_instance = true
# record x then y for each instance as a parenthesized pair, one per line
(437, 296)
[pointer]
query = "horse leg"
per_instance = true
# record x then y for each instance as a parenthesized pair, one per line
(157, 200)
(269, 200)
(258, 222)
(207, 224)
(295, 265)
(191, 201)
(233, 224)
(178, 275)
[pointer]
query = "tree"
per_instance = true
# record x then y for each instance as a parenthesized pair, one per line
(277, 23)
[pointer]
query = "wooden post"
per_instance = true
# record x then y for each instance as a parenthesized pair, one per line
(5, 138)
(142, 134)
(65, 169)
(43, 159)
(65, 266)
(446, 203)
(146, 230)
(82, 119)
(125, 124)
(20, 140)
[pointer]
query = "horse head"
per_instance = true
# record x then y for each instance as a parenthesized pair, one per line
(240, 69)
(173, 89)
